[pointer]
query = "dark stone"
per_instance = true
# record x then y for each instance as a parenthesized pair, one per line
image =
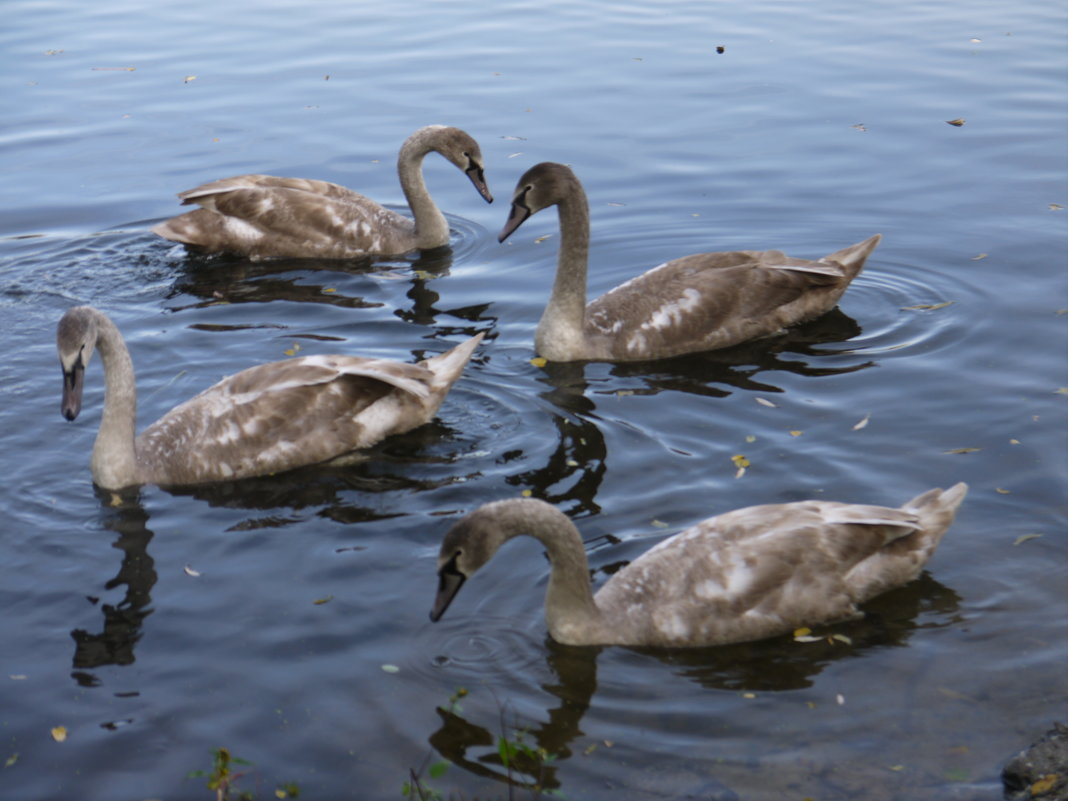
(1041, 771)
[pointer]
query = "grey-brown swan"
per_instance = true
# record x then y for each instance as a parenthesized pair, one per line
(262, 420)
(744, 575)
(265, 217)
(696, 303)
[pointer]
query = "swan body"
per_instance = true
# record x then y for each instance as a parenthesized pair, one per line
(262, 420)
(266, 217)
(695, 303)
(744, 575)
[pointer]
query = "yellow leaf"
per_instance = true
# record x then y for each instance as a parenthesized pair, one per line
(748, 695)
(796, 433)
(659, 524)
(957, 122)
(1024, 538)
(541, 239)
(59, 733)
(189, 78)
(539, 361)
(1055, 207)
(739, 460)
(1014, 442)
(11, 760)
(897, 767)
(321, 601)
(1044, 785)
(1061, 391)
(327, 289)
(526, 493)
(963, 450)
(1001, 491)
(802, 632)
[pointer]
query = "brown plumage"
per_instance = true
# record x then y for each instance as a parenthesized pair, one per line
(265, 419)
(695, 303)
(266, 217)
(744, 575)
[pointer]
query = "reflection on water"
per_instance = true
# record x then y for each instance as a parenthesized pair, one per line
(121, 630)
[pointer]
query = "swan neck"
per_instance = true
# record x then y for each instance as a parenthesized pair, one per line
(564, 318)
(114, 460)
(431, 228)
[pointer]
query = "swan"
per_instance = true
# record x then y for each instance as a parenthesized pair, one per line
(744, 575)
(265, 419)
(696, 303)
(266, 217)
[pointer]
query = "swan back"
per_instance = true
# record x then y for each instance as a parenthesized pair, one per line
(744, 575)
(269, 217)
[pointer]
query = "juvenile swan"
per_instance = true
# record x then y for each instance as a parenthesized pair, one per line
(699, 302)
(743, 575)
(264, 217)
(265, 419)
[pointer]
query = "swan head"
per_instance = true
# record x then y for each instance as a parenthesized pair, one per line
(461, 149)
(543, 185)
(76, 337)
(468, 545)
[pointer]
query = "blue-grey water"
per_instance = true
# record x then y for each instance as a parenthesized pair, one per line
(298, 636)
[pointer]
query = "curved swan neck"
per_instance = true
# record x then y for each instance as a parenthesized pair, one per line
(114, 460)
(431, 228)
(561, 331)
(569, 603)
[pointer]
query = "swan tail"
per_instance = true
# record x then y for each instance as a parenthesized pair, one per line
(449, 365)
(853, 257)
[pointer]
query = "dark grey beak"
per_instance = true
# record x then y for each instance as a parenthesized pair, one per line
(516, 217)
(73, 382)
(474, 172)
(449, 582)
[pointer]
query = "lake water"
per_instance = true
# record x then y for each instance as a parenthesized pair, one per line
(298, 637)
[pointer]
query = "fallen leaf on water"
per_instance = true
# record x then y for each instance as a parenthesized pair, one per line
(624, 393)
(765, 402)
(11, 760)
(1061, 391)
(842, 638)
(1001, 491)
(59, 733)
(190, 572)
(803, 631)
(861, 423)
(116, 500)
(517, 153)
(739, 460)
(974, 40)
(980, 256)
(1014, 442)
(293, 350)
(527, 493)
(659, 524)
(859, 126)
(321, 601)
(721, 49)
(796, 433)
(750, 438)
(390, 669)
(1024, 538)
(963, 450)
(748, 695)
(189, 78)
(928, 306)
(539, 361)
(541, 239)
(957, 122)
(589, 749)
(329, 289)
(571, 463)
(1055, 207)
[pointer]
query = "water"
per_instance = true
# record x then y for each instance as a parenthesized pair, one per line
(818, 125)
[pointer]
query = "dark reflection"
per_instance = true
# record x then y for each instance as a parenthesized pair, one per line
(772, 665)
(575, 681)
(393, 465)
(220, 278)
(114, 644)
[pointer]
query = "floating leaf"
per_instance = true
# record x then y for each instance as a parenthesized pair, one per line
(802, 632)
(190, 572)
(329, 289)
(928, 306)
(437, 770)
(897, 768)
(796, 433)
(748, 695)
(765, 402)
(1014, 442)
(963, 450)
(842, 638)
(11, 760)
(59, 733)
(541, 239)
(571, 463)
(539, 361)
(293, 350)
(189, 78)
(1055, 207)
(980, 256)
(861, 423)
(1001, 491)
(390, 669)
(721, 49)
(527, 493)
(321, 601)
(659, 524)
(1061, 391)
(739, 460)
(1024, 538)
(589, 749)
(957, 122)
(859, 126)
(750, 438)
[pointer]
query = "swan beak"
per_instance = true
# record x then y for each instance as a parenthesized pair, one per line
(516, 217)
(73, 382)
(474, 172)
(449, 582)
